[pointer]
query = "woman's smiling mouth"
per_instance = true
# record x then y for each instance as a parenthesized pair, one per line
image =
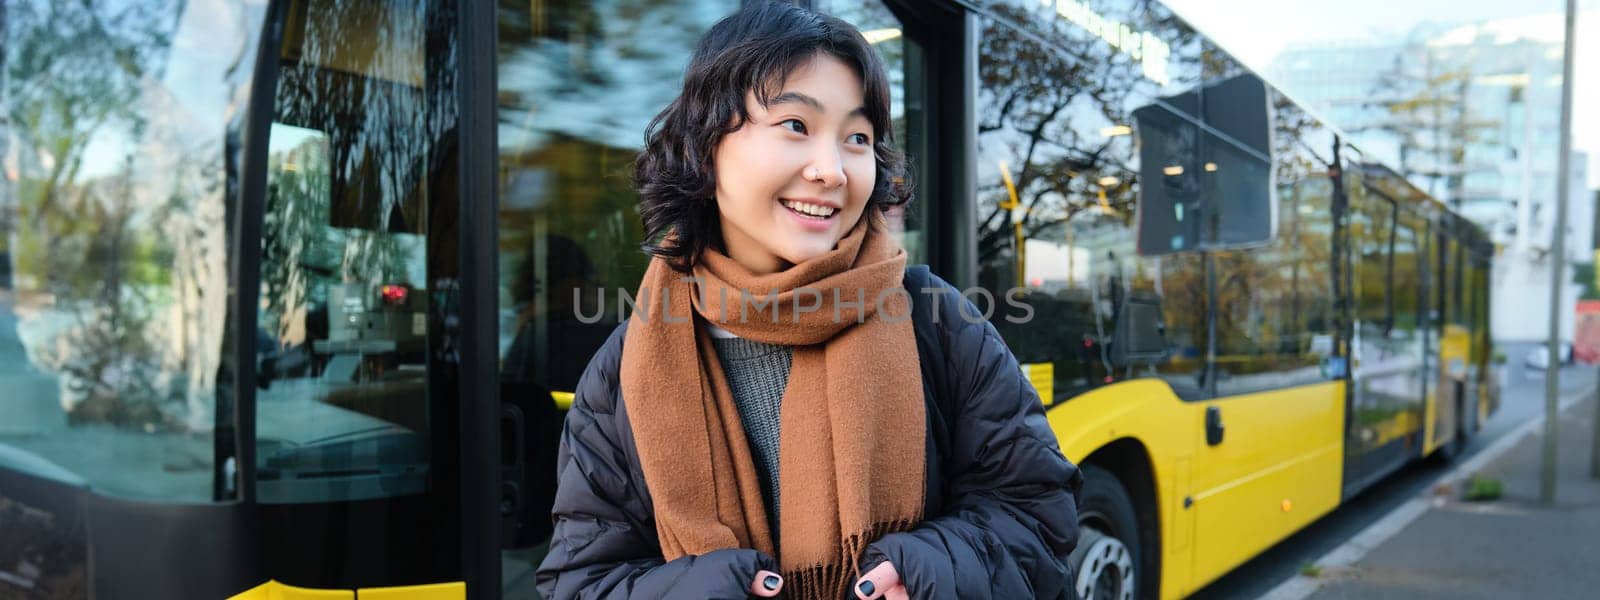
(811, 215)
(808, 209)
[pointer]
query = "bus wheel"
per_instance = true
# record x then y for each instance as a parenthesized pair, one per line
(1105, 562)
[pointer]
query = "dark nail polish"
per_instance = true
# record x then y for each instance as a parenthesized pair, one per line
(772, 582)
(867, 588)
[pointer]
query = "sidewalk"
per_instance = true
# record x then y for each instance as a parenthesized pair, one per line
(1513, 547)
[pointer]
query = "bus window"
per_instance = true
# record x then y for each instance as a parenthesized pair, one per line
(1461, 278)
(1275, 318)
(1372, 235)
(569, 231)
(351, 246)
(1479, 291)
(1063, 132)
(902, 62)
(1406, 286)
(114, 303)
(1447, 270)
(1186, 315)
(1382, 370)
(578, 83)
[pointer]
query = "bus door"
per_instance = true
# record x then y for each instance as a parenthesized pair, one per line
(1427, 319)
(363, 441)
(1386, 401)
(1409, 332)
(1448, 348)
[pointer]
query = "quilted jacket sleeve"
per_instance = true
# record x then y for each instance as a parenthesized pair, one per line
(604, 544)
(1010, 517)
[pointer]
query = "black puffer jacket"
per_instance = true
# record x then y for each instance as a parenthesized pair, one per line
(1000, 496)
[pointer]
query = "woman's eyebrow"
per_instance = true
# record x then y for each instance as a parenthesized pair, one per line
(797, 97)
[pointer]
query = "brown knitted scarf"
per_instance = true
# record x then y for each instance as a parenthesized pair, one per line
(852, 438)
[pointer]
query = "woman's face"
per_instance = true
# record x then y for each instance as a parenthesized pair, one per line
(795, 178)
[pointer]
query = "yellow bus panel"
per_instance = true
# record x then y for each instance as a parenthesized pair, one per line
(1148, 413)
(1278, 467)
(1439, 420)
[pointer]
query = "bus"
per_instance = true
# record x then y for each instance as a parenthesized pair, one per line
(295, 292)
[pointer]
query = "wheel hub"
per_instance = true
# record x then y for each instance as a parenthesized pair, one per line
(1107, 571)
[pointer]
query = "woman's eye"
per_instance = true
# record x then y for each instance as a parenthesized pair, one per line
(859, 138)
(793, 125)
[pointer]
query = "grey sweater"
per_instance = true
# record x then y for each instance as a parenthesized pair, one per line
(757, 374)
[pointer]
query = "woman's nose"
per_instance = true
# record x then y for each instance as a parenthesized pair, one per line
(826, 168)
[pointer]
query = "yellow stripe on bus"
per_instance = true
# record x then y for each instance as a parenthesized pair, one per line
(438, 591)
(563, 399)
(272, 590)
(1043, 378)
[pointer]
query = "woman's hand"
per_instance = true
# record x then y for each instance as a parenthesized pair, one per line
(766, 584)
(883, 581)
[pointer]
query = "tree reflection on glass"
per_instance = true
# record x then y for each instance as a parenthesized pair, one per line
(578, 83)
(116, 231)
(1058, 182)
(112, 228)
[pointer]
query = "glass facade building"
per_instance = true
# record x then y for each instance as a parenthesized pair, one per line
(1471, 115)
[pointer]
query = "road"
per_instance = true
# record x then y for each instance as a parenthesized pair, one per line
(1522, 399)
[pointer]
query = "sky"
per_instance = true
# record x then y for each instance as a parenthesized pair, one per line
(1256, 31)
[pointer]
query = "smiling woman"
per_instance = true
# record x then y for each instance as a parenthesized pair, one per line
(824, 451)
(798, 173)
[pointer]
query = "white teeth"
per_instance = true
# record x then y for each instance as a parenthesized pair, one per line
(810, 209)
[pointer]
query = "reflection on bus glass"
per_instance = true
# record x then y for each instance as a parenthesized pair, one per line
(1074, 142)
(113, 251)
(343, 407)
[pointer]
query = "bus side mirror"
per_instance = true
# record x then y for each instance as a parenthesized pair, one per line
(1205, 180)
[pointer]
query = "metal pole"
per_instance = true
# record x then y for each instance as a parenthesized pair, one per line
(1594, 452)
(1547, 471)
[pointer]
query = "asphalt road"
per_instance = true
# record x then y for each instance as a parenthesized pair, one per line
(1522, 399)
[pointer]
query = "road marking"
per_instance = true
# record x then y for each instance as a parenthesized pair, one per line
(1352, 551)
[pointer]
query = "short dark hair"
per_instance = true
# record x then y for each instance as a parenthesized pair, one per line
(752, 50)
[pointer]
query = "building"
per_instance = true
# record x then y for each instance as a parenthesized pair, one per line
(1471, 114)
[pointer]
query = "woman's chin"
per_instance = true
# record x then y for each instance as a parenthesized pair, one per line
(798, 256)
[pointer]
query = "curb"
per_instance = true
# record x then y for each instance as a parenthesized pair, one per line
(1348, 554)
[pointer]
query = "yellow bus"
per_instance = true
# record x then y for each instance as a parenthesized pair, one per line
(294, 292)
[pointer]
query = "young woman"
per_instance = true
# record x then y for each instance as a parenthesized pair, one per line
(764, 423)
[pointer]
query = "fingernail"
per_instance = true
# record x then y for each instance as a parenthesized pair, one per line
(867, 588)
(772, 583)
